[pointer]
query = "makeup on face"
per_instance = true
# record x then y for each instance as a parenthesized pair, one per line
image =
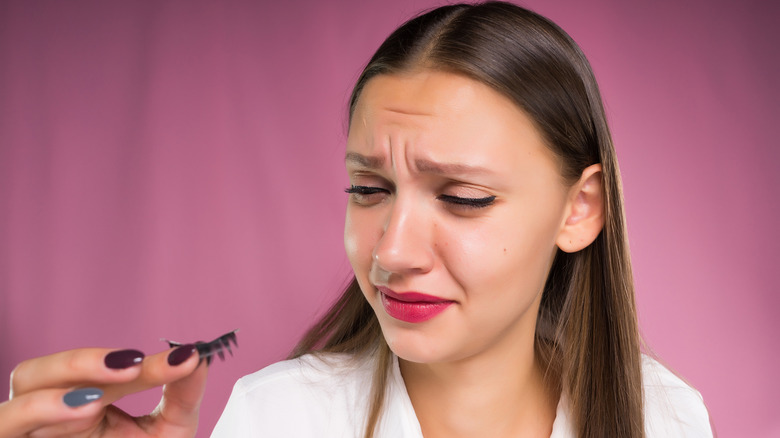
(412, 307)
(455, 202)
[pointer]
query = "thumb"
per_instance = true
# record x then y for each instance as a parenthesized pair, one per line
(180, 403)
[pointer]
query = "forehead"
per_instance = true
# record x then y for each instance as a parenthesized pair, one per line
(430, 93)
(443, 116)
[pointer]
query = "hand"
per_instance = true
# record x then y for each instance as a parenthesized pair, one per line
(70, 394)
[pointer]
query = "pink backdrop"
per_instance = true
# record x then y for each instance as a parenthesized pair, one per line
(174, 169)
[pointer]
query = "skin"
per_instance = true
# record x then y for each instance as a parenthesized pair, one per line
(36, 407)
(420, 140)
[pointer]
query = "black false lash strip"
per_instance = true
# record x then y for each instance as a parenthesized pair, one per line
(207, 350)
(457, 200)
(469, 202)
(363, 190)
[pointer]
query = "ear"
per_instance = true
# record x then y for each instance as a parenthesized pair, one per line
(584, 212)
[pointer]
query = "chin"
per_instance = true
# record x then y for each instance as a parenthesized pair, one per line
(412, 345)
(414, 353)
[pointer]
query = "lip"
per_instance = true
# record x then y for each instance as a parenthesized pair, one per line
(412, 307)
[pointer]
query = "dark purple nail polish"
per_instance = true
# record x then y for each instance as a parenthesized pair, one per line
(121, 359)
(179, 355)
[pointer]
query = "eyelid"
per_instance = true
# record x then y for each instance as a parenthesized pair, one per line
(468, 202)
(363, 192)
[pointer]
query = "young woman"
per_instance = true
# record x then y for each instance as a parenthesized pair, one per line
(493, 293)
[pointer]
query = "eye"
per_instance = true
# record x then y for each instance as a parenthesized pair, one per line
(469, 203)
(367, 195)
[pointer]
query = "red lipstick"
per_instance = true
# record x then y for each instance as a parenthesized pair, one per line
(412, 306)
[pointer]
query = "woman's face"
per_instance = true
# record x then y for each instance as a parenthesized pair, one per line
(454, 210)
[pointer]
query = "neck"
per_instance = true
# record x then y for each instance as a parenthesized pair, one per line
(500, 394)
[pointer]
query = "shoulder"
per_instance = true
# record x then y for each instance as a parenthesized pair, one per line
(306, 396)
(672, 407)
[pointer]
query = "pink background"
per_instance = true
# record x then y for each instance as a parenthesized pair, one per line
(174, 169)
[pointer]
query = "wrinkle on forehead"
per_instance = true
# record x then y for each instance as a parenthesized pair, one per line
(420, 165)
(407, 112)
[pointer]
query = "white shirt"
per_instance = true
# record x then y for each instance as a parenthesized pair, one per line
(311, 397)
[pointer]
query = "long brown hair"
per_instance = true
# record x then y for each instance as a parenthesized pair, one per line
(586, 335)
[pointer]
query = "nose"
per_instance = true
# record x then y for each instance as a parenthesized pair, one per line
(405, 245)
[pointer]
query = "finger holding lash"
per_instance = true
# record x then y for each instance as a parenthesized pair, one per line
(68, 368)
(71, 393)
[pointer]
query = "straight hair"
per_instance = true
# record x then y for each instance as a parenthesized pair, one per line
(587, 336)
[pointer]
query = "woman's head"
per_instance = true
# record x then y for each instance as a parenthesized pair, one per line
(524, 65)
(457, 209)
(532, 63)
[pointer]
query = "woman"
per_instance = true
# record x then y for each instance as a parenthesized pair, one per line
(493, 292)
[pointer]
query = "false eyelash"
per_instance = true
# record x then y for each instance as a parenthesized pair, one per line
(364, 190)
(468, 202)
(207, 350)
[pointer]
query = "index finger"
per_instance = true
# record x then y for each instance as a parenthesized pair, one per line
(157, 370)
(75, 367)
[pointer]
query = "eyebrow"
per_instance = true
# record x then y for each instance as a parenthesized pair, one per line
(367, 161)
(427, 166)
(421, 165)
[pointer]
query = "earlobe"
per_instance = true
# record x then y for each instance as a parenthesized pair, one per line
(584, 211)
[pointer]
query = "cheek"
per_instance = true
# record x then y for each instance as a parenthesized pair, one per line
(360, 236)
(350, 240)
(512, 252)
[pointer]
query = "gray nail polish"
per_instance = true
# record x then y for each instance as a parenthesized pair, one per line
(82, 396)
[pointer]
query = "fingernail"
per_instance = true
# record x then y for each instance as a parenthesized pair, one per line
(180, 354)
(122, 359)
(80, 397)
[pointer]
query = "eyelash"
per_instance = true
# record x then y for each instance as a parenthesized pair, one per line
(454, 200)
(468, 202)
(364, 190)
